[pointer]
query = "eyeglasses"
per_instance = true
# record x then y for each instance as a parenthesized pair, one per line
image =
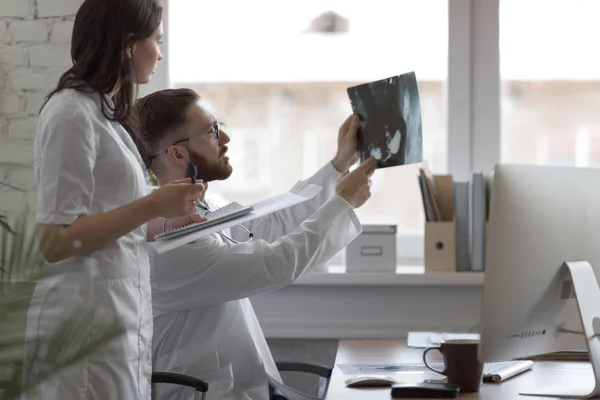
(215, 133)
(207, 210)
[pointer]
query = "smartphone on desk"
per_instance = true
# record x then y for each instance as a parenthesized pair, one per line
(425, 390)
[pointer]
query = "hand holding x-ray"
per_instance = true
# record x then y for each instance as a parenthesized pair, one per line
(346, 156)
(390, 127)
(355, 186)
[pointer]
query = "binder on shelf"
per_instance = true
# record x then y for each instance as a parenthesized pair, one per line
(440, 235)
(456, 215)
(481, 187)
(440, 247)
(461, 222)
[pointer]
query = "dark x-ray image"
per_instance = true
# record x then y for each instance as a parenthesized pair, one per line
(390, 127)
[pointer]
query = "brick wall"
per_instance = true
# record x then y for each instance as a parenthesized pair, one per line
(34, 52)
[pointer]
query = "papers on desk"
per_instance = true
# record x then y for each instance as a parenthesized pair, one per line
(423, 340)
(369, 369)
(568, 355)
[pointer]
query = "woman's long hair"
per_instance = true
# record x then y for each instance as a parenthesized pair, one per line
(102, 33)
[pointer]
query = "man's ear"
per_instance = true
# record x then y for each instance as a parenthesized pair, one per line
(176, 153)
(179, 154)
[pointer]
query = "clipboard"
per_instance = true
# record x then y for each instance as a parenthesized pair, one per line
(229, 212)
(301, 192)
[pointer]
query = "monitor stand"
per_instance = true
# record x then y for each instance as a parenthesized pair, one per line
(587, 294)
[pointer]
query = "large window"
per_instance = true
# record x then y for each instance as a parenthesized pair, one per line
(550, 73)
(500, 81)
(276, 73)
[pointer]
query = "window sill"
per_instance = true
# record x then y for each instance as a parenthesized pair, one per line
(404, 276)
(333, 304)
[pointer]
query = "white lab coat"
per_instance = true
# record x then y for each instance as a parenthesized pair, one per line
(204, 324)
(84, 164)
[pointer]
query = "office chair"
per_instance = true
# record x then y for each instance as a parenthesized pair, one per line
(321, 370)
(180, 379)
(168, 377)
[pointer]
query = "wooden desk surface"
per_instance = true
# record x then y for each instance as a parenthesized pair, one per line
(395, 351)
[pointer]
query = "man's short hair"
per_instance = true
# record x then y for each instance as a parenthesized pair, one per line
(158, 117)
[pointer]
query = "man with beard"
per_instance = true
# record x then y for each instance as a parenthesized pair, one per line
(204, 324)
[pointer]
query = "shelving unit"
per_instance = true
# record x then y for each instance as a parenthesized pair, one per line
(404, 276)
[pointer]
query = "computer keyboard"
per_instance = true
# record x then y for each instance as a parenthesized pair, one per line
(502, 370)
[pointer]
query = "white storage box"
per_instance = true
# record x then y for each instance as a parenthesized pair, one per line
(374, 250)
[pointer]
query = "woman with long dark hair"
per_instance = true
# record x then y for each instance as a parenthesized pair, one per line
(93, 207)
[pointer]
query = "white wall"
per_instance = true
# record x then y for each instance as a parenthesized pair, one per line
(35, 37)
(35, 40)
(359, 312)
(369, 306)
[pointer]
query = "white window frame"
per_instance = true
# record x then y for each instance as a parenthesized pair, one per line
(473, 96)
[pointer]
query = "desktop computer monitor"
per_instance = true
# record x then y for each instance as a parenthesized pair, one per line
(542, 260)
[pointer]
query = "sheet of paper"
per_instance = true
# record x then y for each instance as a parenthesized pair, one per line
(301, 192)
(379, 369)
(423, 340)
(419, 340)
(568, 355)
(437, 338)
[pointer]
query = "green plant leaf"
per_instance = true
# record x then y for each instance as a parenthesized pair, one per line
(4, 225)
(51, 354)
(25, 362)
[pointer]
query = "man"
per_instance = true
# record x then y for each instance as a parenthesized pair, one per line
(204, 324)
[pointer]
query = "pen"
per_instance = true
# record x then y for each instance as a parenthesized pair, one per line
(192, 171)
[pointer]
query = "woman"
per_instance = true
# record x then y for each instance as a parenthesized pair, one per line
(93, 203)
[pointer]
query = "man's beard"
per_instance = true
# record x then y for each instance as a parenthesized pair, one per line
(212, 171)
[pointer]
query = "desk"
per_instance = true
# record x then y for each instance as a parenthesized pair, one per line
(395, 351)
